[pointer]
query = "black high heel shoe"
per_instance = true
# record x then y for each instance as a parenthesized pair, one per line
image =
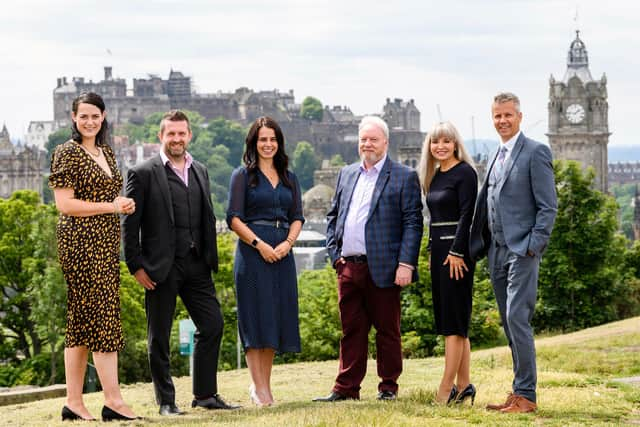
(109, 414)
(469, 391)
(452, 394)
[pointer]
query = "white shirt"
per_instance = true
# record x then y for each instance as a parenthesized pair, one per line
(353, 237)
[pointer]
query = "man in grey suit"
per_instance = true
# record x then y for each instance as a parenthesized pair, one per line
(513, 219)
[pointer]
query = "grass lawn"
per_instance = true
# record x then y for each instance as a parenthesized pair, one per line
(576, 386)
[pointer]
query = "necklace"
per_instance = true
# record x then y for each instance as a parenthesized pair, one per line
(89, 151)
(272, 174)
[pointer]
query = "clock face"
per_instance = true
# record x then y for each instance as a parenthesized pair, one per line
(575, 113)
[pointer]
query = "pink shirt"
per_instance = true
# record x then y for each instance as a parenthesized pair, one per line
(182, 174)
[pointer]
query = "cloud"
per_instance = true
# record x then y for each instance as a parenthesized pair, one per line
(355, 53)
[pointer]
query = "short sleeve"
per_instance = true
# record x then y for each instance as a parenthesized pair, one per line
(237, 190)
(64, 166)
(295, 211)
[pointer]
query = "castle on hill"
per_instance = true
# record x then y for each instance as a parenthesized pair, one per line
(335, 133)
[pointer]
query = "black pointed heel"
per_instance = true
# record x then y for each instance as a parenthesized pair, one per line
(469, 391)
(109, 414)
(69, 415)
(452, 394)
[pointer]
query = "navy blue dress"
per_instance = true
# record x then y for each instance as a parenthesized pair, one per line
(267, 294)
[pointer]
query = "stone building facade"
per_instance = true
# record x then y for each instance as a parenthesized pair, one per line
(624, 173)
(38, 133)
(20, 167)
(578, 115)
(336, 133)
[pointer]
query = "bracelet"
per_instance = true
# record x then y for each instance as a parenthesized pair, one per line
(290, 240)
(115, 207)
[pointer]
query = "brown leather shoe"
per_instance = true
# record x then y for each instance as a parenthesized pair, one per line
(499, 406)
(520, 405)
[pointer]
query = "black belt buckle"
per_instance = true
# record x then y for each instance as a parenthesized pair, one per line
(357, 259)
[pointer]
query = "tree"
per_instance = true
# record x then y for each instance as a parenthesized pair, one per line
(231, 135)
(625, 195)
(320, 328)
(311, 109)
(580, 273)
(225, 291)
(215, 158)
(56, 138)
(16, 250)
(47, 288)
(304, 164)
(337, 160)
(148, 131)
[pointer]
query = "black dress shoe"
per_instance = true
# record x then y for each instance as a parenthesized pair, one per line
(213, 402)
(170, 410)
(109, 414)
(387, 395)
(469, 391)
(334, 396)
(69, 415)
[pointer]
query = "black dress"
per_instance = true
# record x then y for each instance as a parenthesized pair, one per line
(267, 294)
(451, 200)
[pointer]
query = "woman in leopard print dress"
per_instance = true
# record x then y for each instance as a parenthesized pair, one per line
(86, 184)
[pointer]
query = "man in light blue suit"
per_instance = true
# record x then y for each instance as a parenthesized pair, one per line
(513, 219)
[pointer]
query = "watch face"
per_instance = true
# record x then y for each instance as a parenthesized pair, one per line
(575, 113)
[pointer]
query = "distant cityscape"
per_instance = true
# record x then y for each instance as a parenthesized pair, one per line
(578, 126)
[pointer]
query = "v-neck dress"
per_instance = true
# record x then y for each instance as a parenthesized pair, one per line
(267, 293)
(451, 199)
(89, 250)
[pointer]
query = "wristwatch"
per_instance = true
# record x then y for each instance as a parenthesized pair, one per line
(255, 242)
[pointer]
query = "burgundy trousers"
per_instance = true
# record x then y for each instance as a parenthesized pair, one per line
(363, 304)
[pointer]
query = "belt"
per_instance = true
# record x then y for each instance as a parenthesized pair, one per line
(444, 224)
(277, 223)
(357, 259)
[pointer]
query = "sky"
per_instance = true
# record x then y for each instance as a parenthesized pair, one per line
(451, 57)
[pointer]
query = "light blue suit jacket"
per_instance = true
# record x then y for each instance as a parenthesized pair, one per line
(526, 200)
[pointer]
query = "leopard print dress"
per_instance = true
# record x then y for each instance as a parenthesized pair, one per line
(89, 250)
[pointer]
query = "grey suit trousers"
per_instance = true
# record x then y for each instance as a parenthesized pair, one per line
(515, 283)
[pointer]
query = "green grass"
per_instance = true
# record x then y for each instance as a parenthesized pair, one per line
(576, 386)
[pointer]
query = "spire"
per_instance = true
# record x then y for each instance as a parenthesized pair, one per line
(5, 139)
(578, 61)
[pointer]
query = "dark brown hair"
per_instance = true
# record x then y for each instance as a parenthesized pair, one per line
(250, 157)
(174, 116)
(95, 100)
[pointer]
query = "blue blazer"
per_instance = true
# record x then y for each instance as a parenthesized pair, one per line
(526, 199)
(394, 227)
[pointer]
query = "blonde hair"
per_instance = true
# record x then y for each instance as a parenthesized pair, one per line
(428, 163)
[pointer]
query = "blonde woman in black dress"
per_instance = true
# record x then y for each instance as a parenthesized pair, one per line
(86, 185)
(450, 184)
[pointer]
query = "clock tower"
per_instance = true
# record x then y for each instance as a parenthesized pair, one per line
(578, 115)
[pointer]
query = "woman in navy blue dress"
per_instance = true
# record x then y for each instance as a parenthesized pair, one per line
(265, 211)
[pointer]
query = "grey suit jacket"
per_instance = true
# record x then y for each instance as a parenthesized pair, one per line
(526, 199)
